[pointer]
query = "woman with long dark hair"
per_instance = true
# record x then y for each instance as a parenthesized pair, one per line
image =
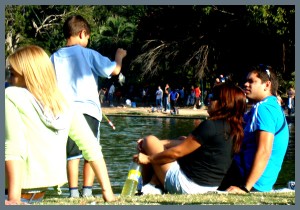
(196, 163)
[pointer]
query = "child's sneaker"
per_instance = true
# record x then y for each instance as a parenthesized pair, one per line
(291, 185)
(150, 189)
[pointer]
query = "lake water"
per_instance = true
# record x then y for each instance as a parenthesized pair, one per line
(119, 145)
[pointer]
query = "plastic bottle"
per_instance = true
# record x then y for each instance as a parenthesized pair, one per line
(139, 186)
(131, 182)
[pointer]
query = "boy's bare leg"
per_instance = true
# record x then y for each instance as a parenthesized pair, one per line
(72, 171)
(88, 179)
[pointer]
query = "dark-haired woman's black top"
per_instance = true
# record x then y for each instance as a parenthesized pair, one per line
(208, 164)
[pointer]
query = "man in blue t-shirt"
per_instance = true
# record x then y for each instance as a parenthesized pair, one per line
(259, 161)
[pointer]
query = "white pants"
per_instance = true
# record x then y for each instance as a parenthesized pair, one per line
(176, 182)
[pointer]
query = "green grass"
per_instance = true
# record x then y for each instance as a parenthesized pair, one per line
(286, 174)
(287, 198)
(284, 198)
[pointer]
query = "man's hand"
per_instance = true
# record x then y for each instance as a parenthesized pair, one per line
(234, 189)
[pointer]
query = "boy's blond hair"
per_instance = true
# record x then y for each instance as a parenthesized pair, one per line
(35, 66)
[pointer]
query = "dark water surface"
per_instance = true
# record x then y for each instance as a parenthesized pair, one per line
(118, 146)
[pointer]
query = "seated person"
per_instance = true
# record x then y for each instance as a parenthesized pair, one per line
(196, 163)
(257, 165)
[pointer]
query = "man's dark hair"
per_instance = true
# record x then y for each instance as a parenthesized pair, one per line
(265, 73)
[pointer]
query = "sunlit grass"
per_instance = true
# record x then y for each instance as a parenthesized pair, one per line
(284, 198)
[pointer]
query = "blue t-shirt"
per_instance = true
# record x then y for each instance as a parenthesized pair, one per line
(77, 70)
(181, 93)
(173, 95)
(268, 116)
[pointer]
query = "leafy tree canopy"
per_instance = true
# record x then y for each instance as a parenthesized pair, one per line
(187, 43)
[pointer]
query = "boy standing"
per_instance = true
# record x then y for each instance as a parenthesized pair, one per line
(77, 71)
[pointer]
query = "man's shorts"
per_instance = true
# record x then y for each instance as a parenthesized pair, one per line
(73, 151)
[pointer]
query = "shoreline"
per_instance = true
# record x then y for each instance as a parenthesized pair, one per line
(184, 112)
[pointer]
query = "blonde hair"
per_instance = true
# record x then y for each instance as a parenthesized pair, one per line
(33, 63)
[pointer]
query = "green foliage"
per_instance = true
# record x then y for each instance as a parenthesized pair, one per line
(275, 19)
(115, 32)
(186, 42)
(210, 40)
(41, 25)
(285, 81)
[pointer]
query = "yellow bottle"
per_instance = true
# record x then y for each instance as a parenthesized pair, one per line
(131, 182)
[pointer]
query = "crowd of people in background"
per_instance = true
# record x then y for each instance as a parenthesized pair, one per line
(186, 95)
(189, 96)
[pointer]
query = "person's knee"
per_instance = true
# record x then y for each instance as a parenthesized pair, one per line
(150, 142)
(149, 139)
(75, 161)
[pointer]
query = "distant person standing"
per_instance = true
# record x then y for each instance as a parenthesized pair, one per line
(174, 95)
(181, 97)
(280, 101)
(166, 98)
(291, 101)
(77, 70)
(191, 96)
(144, 96)
(102, 95)
(161, 101)
(111, 92)
(197, 96)
(158, 94)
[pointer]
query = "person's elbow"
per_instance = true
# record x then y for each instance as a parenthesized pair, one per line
(117, 70)
(176, 154)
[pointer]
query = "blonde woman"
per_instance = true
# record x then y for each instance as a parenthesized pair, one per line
(38, 121)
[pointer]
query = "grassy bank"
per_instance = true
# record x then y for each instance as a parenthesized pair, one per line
(286, 198)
